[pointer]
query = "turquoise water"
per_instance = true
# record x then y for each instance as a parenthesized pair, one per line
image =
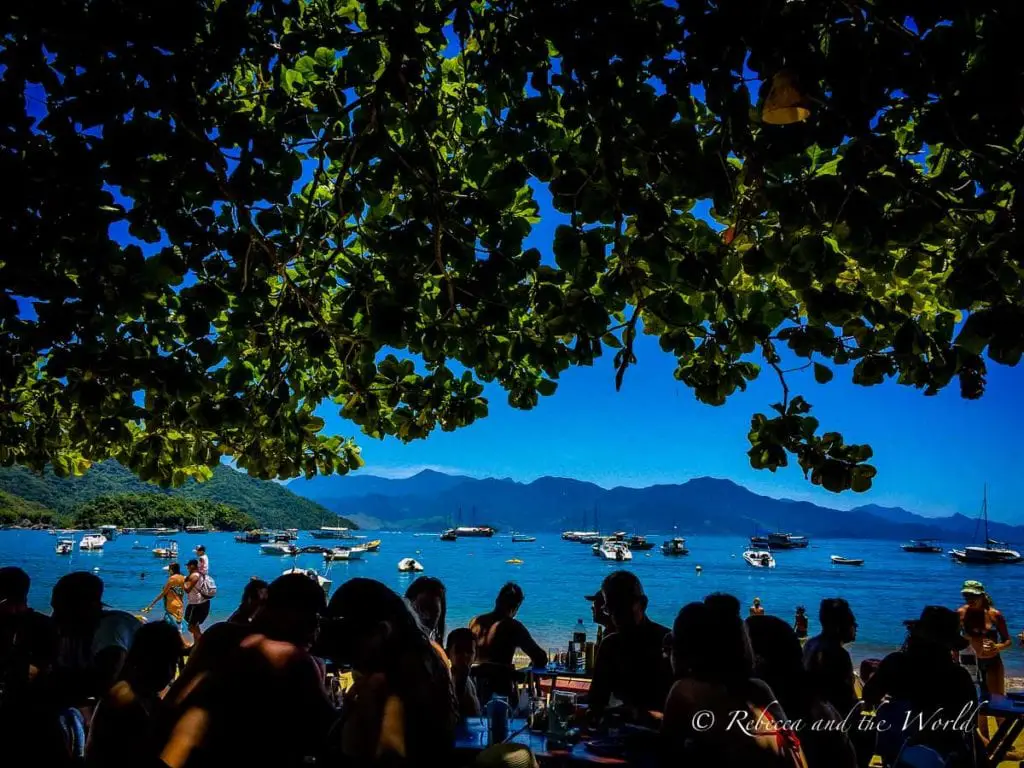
(555, 574)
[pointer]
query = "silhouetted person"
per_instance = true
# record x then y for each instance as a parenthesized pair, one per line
(779, 663)
(122, 733)
(715, 687)
(827, 661)
(429, 602)
(254, 597)
(402, 710)
(800, 622)
(498, 633)
(197, 608)
(631, 663)
(461, 651)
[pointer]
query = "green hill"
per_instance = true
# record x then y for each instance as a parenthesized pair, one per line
(138, 510)
(269, 503)
(17, 511)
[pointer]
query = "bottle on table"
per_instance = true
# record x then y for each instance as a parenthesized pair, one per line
(579, 641)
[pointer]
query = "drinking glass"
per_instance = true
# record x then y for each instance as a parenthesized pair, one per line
(552, 659)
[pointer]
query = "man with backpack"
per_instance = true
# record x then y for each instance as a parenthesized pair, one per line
(199, 590)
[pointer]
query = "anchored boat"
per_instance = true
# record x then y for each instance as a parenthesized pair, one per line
(759, 558)
(323, 581)
(615, 550)
(839, 560)
(922, 545)
(64, 546)
(993, 553)
(166, 549)
(408, 565)
(277, 548)
(780, 541)
(675, 546)
(92, 542)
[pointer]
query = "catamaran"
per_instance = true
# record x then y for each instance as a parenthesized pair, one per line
(993, 553)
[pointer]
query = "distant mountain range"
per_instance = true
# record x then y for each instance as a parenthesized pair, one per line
(431, 500)
(271, 504)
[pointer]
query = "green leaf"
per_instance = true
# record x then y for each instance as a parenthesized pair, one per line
(822, 374)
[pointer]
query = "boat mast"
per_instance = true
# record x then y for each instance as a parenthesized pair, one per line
(984, 512)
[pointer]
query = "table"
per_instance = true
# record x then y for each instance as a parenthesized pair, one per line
(472, 736)
(577, 682)
(1011, 711)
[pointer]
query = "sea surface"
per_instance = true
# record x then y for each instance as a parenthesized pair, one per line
(890, 587)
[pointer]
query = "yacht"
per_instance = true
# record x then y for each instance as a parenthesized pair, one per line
(109, 532)
(922, 545)
(92, 542)
(478, 531)
(993, 553)
(759, 558)
(675, 546)
(64, 546)
(166, 549)
(578, 535)
(780, 541)
(615, 550)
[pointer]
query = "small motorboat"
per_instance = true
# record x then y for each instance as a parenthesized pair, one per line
(408, 565)
(519, 539)
(339, 553)
(759, 558)
(675, 546)
(449, 535)
(277, 548)
(927, 546)
(166, 549)
(640, 543)
(93, 542)
(323, 581)
(139, 545)
(839, 560)
(64, 546)
(372, 546)
(514, 561)
(615, 550)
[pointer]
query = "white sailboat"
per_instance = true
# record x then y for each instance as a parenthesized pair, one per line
(993, 553)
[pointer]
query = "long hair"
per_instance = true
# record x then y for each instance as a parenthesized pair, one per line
(778, 661)
(431, 585)
(710, 643)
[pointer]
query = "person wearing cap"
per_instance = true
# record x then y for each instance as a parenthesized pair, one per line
(631, 663)
(92, 641)
(922, 678)
(756, 609)
(498, 633)
(826, 658)
(985, 628)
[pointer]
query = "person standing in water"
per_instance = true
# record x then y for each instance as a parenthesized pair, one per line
(800, 622)
(756, 609)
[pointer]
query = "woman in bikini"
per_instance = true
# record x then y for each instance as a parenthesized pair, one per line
(173, 595)
(985, 628)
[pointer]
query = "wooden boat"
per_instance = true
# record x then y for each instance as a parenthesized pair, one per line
(64, 546)
(759, 558)
(514, 561)
(338, 553)
(93, 542)
(253, 537)
(166, 549)
(640, 543)
(838, 560)
(922, 545)
(675, 546)
(993, 553)
(408, 565)
(372, 546)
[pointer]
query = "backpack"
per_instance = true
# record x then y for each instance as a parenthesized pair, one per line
(207, 587)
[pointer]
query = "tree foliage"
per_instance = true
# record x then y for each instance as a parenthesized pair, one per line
(18, 511)
(224, 214)
(139, 510)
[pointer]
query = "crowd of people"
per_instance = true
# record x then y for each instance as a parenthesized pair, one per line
(88, 685)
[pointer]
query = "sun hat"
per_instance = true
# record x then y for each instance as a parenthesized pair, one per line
(940, 625)
(972, 587)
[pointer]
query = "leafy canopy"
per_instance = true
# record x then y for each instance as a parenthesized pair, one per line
(223, 214)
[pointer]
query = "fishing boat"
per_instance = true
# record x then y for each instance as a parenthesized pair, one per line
(759, 558)
(332, 532)
(514, 561)
(520, 539)
(640, 543)
(675, 546)
(253, 537)
(993, 553)
(166, 549)
(922, 545)
(372, 546)
(338, 553)
(615, 550)
(323, 581)
(92, 542)
(839, 560)
(281, 536)
(475, 531)
(64, 546)
(408, 565)
(109, 532)
(277, 548)
(780, 541)
(449, 535)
